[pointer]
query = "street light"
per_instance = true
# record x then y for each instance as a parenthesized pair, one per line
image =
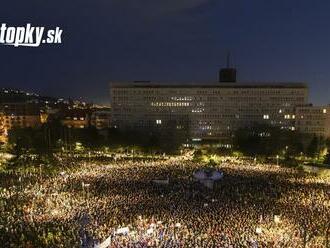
(277, 157)
(40, 170)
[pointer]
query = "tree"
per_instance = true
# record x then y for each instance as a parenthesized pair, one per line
(24, 140)
(269, 140)
(327, 159)
(88, 137)
(312, 148)
(20, 140)
(327, 143)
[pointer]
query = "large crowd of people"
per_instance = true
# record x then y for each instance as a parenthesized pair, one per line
(116, 203)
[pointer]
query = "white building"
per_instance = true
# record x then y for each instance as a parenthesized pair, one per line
(207, 111)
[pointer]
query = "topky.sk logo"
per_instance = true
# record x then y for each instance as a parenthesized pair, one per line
(29, 36)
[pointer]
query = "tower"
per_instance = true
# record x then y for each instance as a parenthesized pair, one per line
(228, 74)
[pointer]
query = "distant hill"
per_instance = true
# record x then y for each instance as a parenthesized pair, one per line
(13, 95)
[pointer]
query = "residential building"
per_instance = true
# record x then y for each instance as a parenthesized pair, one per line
(20, 115)
(76, 118)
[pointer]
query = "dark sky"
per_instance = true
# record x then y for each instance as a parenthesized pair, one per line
(109, 40)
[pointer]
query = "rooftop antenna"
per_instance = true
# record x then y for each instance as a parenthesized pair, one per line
(228, 74)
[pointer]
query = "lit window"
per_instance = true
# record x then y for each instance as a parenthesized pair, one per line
(266, 117)
(324, 111)
(158, 122)
(280, 111)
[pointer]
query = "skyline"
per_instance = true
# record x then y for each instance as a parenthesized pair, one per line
(168, 41)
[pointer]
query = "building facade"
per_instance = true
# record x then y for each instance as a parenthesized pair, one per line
(100, 119)
(209, 111)
(313, 120)
(18, 115)
(76, 118)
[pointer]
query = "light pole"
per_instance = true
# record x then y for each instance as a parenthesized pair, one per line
(277, 157)
(40, 173)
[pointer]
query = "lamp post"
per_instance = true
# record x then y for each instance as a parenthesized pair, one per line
(277, 157)
(40, 170)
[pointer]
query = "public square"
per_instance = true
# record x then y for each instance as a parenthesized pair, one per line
(90, 200)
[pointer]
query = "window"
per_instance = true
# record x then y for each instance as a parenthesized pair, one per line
(158, 122)
(324, 111)
(266, 117)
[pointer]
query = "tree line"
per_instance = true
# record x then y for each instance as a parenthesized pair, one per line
(251, 141)
(53, 137)
(274, 141)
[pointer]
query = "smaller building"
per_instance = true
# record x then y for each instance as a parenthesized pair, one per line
(313, 120)
(101, 119)
(76, 118)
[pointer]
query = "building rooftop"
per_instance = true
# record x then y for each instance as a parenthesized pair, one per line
(149, 84)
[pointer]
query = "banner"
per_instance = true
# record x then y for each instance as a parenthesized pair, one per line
(161, 182)
(124, 230)
(105, 244)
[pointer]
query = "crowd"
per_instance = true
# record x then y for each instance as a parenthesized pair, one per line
(254, 205)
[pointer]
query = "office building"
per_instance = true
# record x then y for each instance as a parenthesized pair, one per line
(313, 120)
(208, 111)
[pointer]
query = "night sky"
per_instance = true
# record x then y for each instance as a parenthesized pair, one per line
(167, 40)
